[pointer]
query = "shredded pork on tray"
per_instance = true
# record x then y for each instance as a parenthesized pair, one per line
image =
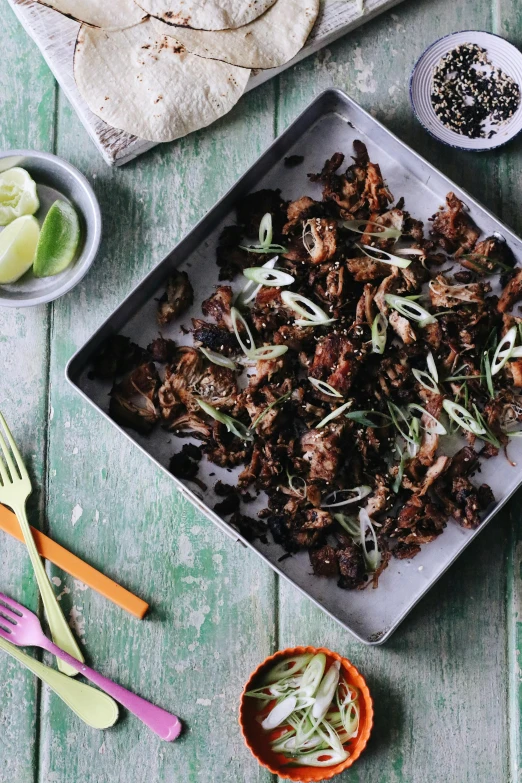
(339, 374)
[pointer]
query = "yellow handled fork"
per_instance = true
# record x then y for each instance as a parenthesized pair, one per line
(15, 488)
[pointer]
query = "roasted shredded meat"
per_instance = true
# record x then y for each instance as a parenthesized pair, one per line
(341, 422)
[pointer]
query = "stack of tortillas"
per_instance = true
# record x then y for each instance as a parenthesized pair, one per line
(163, 68)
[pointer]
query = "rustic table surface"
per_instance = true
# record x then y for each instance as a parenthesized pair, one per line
(447, 686)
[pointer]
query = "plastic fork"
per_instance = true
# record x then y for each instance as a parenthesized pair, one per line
(95, 708)
(21, 627)
(15, 488)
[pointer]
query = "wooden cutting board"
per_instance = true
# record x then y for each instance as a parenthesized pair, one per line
(55, 36)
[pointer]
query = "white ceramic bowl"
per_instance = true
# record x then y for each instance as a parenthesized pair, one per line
(55, 179)
(502, 55)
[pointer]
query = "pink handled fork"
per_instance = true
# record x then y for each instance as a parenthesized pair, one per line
(21, 627)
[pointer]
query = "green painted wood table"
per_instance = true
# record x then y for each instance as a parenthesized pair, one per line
(447, 685)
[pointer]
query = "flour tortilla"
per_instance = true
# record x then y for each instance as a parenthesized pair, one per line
(149, 86)
(271, 40)
(109, 14)
(206, 14)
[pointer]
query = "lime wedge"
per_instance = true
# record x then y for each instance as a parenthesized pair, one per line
(59, 240)
(17, 248)
(17, 195)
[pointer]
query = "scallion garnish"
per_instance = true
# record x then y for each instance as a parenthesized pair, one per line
(397, 416)
(379, 327)
(436, 425)
(357, 493)
(250, 291)
(400, 472)
(334, 414)
(383, 233)
(324, 387)
(372, 557)
(311, 314)
(383, 256)
(233, 425)
(218, 358)
(263, 413)
(363, 418)
(268, 277)
(410, 309)
(267, 352)
(432, 367)
(265, 238)
(264, 352)
(463, 418)
(426, 380)
(504, 350)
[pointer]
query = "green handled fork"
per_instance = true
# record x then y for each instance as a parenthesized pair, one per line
(15, 488)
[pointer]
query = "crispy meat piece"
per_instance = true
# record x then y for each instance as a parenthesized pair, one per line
(463, 463)
(162, 350)
(218, 307)
(338, 358)
(191, 376)
(320, 239)
(117, 355)
(512, 293)
(402, 327)
(321, 449)
(453, 227)
(433, 473)
(442, 294)
(224, 449)
(214, 337)
(178, 297)
(406, 551)
(231, 258)
(299, 211)
(324, 561)
(317, 519)
(488, 255)
(351, 567)
(133, 400)
(363, 269)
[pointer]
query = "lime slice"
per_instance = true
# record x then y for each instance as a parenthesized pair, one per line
(17, 195)
(59, 240)
(17, 248)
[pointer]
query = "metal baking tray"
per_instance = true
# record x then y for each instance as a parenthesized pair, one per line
(329, 124)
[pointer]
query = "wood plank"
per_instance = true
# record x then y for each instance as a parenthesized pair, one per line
(433, 683)
(213, 603)
(27, 97)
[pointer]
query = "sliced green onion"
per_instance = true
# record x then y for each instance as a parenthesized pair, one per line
(400, 473)
(463, 417)
(334, 414)
(379, 327)
(358, 492)
(218, 358)
(313, 316)
(384, 233)
(324, 387)
(413, 444)
(371, 558)
(361, 417)
(504, 350)
(375, 254)
(351, 525)
(265, 238)
(319, 758)
(263, 413)
(488, 436)
(280, 713)
(396, 415)
(267, 352)
(236, 318)
(437, 427)
(265, 230)
(312, 676)
(432, 367)
(489, 376)
(233, 425)
(410, 309)
(326, 691)
(426, 380)
(287, 668)
(269, 277)
(250, 291)
(291, 479)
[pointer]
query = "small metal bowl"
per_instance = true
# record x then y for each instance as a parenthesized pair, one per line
(55, 179)
(502, 55)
